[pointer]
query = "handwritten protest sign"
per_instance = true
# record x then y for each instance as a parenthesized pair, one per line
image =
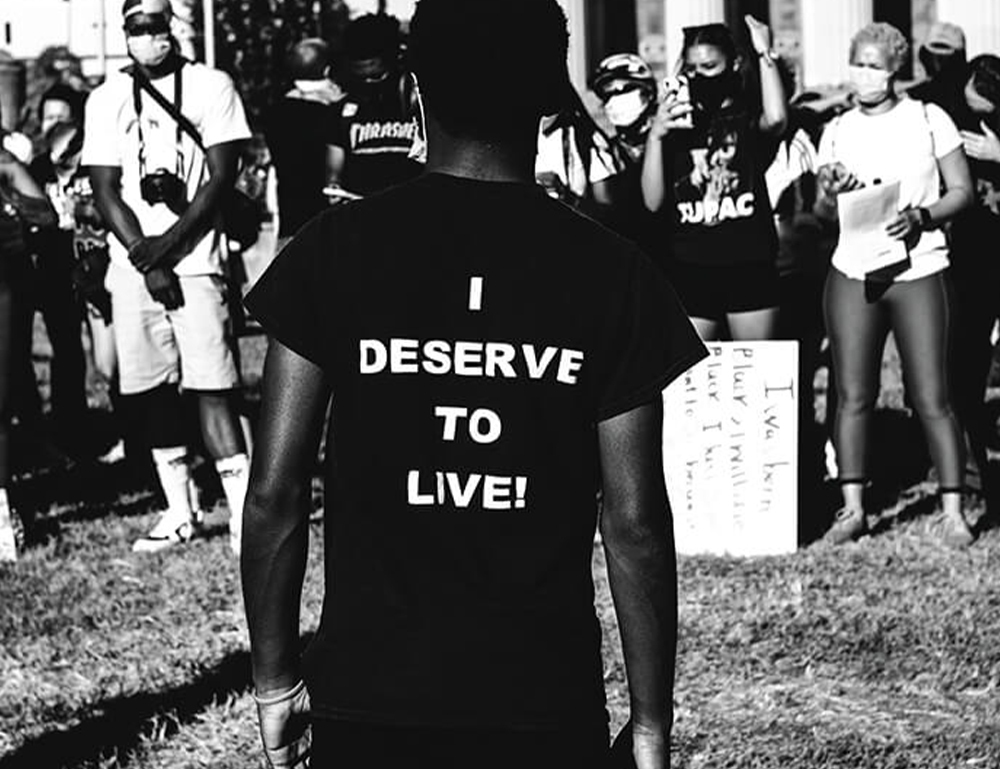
(730, 450)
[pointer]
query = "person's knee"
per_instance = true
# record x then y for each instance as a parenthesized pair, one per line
(855, 400)
(931, 403)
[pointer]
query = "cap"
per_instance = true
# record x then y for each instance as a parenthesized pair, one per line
(945, 38)
(621, 66)
(132, 7)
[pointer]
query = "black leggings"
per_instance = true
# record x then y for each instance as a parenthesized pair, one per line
(919, 314)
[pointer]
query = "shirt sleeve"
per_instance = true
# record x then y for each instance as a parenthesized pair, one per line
(826, 142)
(100, 140)
(946, 136)
(649, 344)
(224, 119)
(283, 300)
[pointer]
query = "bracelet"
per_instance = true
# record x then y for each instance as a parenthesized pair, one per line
(279, 698)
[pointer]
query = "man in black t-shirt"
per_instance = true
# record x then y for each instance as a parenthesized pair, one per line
(493, 358)
(300, 132)
(378, 124)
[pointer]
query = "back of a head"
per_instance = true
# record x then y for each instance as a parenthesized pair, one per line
(489, 70)
(309, 59)
(985, 75)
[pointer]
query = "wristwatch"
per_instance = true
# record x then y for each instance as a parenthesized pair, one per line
(925, 218)
(769, 56)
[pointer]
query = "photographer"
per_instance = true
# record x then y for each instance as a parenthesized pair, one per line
(703, 173)
(161, 194)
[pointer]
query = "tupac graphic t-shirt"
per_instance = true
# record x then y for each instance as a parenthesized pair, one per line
(472, 348)
(717, 208)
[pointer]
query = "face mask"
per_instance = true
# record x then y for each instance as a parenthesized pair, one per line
(871, 86)
(708, 92)
(624, 109)
(149, 50)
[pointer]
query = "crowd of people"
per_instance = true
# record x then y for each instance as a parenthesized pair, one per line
(725, 173)
(713, 205)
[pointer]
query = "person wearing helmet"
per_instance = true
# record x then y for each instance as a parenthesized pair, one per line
(626, 87)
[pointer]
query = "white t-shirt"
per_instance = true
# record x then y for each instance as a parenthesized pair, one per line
(210, 101)
(902, 144)
(551, 158)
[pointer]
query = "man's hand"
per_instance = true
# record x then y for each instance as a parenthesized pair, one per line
(650, 746)
(150, 253)
(164, 286)
(284, 727)
(760, 34)
(984, 146)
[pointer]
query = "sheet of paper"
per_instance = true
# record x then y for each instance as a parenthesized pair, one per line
(864, 215)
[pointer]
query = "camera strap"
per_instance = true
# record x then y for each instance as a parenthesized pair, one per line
(140, 83)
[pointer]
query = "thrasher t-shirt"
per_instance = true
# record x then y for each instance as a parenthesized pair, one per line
(472, 348)
(377, 136)
(717, 207)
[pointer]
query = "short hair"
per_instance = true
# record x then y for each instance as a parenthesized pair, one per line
(374, 35)
(887, 37)
(64, 93)
(487, 69)
(308, 59)
(985, 72)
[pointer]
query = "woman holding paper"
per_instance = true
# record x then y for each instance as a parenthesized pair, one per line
(898, 172)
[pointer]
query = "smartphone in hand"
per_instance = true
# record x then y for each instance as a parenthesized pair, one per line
(679, 86)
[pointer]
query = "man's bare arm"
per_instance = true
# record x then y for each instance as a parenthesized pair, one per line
(121, 219)
(168, 248)
(276, 514)
(642, 571)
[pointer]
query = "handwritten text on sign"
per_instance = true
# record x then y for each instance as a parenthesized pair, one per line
(730, 450)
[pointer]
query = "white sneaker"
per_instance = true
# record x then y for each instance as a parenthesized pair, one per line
(9, 545)
(170, 530)
(113, 455)
(235, 534)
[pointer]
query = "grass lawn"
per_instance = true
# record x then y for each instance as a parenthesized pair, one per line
(880, 654)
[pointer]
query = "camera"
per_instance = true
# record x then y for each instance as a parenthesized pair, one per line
(161, 186)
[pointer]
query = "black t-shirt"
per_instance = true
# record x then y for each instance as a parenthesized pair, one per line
(298, 132)
(717, 209)
(472, 347)
(377, 133)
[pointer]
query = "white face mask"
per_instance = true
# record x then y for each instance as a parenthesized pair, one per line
(871, 86)
(625, 108)
(149, 50)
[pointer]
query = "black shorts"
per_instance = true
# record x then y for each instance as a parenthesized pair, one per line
(713, 291)
(378, 746)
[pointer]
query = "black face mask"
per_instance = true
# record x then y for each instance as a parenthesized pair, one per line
(709, 92)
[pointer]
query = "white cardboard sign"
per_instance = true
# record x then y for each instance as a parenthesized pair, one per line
(730, 450)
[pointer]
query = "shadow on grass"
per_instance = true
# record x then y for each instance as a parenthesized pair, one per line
(121, 723)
